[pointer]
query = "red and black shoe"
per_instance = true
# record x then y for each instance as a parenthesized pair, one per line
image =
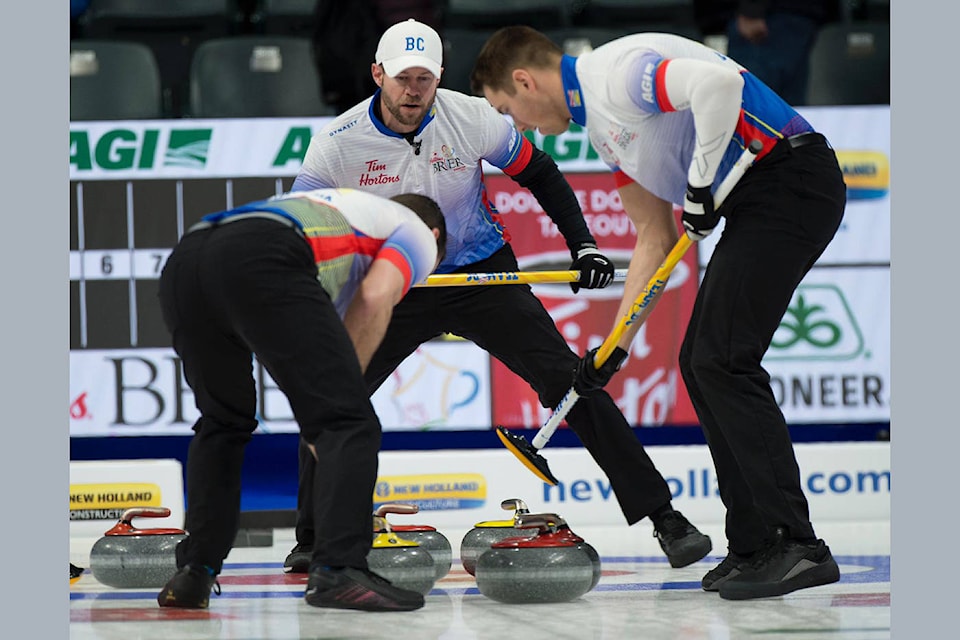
(361, 589)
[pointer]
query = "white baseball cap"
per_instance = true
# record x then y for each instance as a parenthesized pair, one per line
(410, 44)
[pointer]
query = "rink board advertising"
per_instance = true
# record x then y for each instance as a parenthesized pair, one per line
(135, 186)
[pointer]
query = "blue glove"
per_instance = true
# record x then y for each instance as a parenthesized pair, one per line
(588, 379)
(699, 217)
(596, 270)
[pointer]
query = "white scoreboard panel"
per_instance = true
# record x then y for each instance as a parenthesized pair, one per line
(108, 264)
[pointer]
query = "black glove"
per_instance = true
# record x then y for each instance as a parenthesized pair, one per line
(588, 379)
(596, 269)
(699, 217)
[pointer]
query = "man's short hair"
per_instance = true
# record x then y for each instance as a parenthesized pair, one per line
(429, 211)
(511, 48)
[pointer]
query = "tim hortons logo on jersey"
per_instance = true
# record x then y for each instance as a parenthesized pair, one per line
(375, 175)
(446, 160)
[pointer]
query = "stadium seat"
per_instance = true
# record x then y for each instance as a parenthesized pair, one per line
(286, 17)
(869, 10)
(460, 49)
(668, 16)
(113, 81)
(487, 14)
(576, 40)
(255, 76)
(171, 28)
(850, 64)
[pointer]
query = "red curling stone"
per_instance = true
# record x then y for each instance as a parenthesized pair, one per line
(128, 557)
(552, 565)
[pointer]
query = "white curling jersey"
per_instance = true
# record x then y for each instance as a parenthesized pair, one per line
(357, 150)
(347, 230)
(617, 92)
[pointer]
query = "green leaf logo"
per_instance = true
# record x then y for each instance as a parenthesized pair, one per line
(818, 325)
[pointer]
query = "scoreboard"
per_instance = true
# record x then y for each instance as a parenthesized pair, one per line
(121, 232)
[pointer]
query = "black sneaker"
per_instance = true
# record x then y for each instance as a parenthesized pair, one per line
(298, 560)
(784, 567)
(189, 588)
(349, 588)
(728, 568)
(680, 540)
(75, 572)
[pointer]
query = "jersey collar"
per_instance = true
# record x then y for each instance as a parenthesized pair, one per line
(571, 90)
(385, 130)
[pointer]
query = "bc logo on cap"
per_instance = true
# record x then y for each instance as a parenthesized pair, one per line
(414, 44)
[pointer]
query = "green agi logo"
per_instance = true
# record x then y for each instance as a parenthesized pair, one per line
(818, 325)
(125, 149)
(188, 148)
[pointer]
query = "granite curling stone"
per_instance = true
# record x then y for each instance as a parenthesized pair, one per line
(426, 536)
(553, 565)
(403, 562)
(128, 557)
(485, 533)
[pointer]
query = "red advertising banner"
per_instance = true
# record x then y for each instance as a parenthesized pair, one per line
(648, 389)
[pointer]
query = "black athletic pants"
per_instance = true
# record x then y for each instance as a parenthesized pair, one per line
(511, 324)
(250, 287)
(779, 219)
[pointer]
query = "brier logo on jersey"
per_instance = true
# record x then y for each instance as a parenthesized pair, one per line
(446, 159)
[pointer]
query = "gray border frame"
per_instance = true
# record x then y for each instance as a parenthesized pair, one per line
(924, 345)
(34, 470)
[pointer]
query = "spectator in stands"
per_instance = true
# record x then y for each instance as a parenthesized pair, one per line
(345, 39)
(772, 38)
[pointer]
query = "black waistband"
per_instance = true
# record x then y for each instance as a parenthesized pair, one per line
(808, 138)
(262, 215)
